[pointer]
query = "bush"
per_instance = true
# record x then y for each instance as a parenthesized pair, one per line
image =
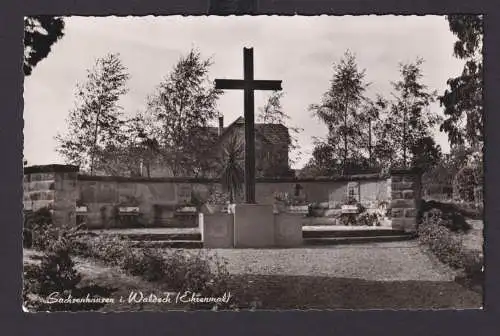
(447, 215)
(369, 219)
(57, 274)
(176, 269)
(38, 230)
(449, 248)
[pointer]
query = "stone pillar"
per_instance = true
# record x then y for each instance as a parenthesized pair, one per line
(288, 229)
(62, 182)
(217, 230)
(405, 185)
(254, 225)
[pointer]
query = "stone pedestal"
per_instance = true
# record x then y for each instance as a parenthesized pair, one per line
(54, 187)
(253, 225)
(405, 199)
(217, 230)
(288, 229)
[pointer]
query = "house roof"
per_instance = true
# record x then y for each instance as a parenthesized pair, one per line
(273, 133)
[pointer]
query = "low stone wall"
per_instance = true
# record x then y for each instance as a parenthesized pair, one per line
(101, 200)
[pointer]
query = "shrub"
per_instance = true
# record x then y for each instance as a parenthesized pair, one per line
(347, 219)
(368, 219)
(38, 230)
(57, 274)
(446, 215)
(176, 269)
(449, 248)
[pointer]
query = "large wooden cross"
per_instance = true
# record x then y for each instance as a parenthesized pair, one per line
(248, 84)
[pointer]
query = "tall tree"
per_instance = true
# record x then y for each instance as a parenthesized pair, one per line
(95, 123)
(368, 121)
(408, 119)
(463, 100)
(179, 112)
(40, 33)
(272, 113)
(339, 108)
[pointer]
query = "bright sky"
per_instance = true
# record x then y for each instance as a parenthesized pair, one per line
(298, 50)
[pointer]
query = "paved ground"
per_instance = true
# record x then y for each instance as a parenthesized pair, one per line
(395, 261)
(474, 239)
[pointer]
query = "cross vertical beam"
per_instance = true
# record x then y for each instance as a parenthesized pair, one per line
(248, 85)
(249, 126)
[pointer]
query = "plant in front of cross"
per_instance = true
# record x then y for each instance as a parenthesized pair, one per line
(231, 171)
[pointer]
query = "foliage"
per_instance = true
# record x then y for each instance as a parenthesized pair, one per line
(449, 248)
(178, 113)
(231, 173)
(463, 100)
(38, 231)
(95, 124)
(40, 34)
(57, 274)
(447, 171)
(403, 131)
(272, 113)
(179, 271)
(339, 109)
(369, 219)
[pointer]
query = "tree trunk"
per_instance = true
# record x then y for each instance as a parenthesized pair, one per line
(92, 157)
(370, 141)
(345, 134)
(231, 195)
(404, 137)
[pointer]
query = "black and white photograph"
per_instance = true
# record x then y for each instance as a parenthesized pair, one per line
(248, 163)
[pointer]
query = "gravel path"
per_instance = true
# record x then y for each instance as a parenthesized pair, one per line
(398, 261)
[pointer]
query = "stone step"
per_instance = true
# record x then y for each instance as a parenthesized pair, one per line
(168, 244)
(356, 240)
(351, 233)
(163, 236)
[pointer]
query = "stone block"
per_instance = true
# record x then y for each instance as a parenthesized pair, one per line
(217, 230)
(402, 203)
(411, 212)
(408, 194)
(409, 178)
(406, 224)
(396, 194)
(397, 212)
(402, 186)
(397, 178)
(253, 225)
(288, 229)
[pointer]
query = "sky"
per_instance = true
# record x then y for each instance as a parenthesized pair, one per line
(298, 50)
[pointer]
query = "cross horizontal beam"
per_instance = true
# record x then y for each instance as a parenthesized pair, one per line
(241, 84)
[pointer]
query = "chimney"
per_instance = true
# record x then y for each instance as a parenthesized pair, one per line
(221, 125)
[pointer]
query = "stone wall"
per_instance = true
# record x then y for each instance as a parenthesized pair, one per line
(54, 187)
(405, 199)
(106, 201)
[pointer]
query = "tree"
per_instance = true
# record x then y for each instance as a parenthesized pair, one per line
(95, 125)
(272, 113)
(408, 120)
(179, 112)
(425, 153)
(339, 108)
(463, 100)
(40, 33)
(368, 120)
